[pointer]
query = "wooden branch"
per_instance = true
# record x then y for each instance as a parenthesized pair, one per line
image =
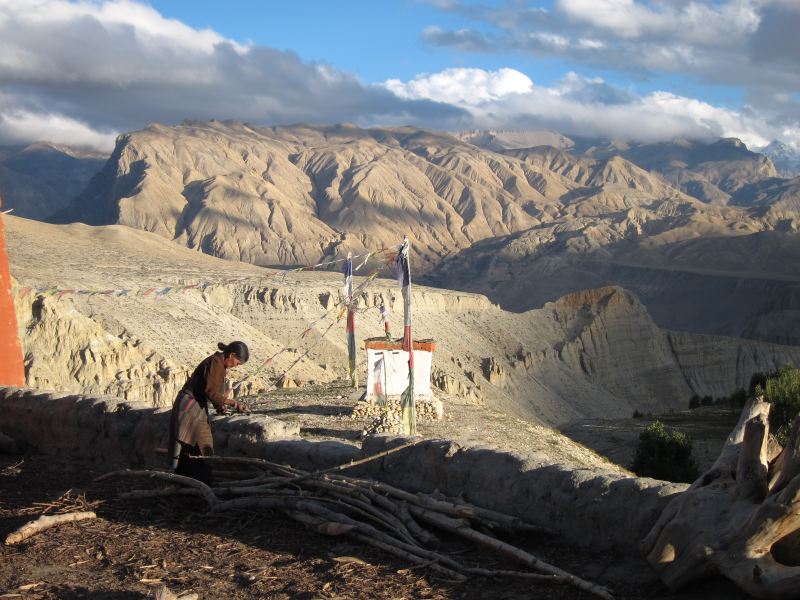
(787, 466)
(430, 563)
(391, 544)
(386, 519)
(159, 493)
(369, 511)
(45, 522)
(398, 509)
(523, 574)
(751, 468)
(729, 456)
(460, 527)
(452, 508)
(316, 522)
(271, 503)
(205, 491)
(352, 463)
(224, 461)
(418, 532)
(730, 522)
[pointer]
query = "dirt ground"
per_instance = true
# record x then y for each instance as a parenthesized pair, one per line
(135, 546)
(132, 547)
(324, 412)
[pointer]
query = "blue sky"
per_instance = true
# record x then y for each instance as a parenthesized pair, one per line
(382, 40)
(375, 40)
(82, 71)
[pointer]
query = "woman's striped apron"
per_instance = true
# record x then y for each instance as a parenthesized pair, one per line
(189, 425)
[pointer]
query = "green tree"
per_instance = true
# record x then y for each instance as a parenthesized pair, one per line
(782, 390)
(694, 401)
(665, 454)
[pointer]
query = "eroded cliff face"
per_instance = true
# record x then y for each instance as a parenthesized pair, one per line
(713, 365)
(65, 349)
(590, 354)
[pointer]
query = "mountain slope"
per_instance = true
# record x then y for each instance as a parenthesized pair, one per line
(590, 354)
(291, 195)
(525, 226)
(41, 179)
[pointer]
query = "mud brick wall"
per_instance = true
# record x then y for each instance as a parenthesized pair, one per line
(590, 507)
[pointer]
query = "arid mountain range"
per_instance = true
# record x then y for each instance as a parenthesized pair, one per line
(41, 179)
(704, 233)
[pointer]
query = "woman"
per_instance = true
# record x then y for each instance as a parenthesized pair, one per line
(190, 427)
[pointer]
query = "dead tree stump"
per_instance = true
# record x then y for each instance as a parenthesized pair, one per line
(740, 519)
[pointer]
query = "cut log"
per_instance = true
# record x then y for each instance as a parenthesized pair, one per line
(741, 519)
(45, 522)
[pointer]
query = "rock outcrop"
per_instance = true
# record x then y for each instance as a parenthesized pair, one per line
(591, 354)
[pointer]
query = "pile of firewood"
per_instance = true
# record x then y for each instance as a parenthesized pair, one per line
(369, 511)
(388, 418)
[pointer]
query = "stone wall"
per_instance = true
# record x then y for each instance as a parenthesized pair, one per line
(589, 507)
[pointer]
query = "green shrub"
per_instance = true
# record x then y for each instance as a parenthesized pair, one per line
(664, 454)
(694, 401)
(757, 380)
(782, 390)
(707, 401)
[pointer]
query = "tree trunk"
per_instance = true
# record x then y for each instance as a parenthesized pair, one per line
(740, 519)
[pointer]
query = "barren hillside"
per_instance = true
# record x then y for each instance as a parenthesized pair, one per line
(589, 354)
(524, 226)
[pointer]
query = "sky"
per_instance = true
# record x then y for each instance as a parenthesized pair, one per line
(81, 72)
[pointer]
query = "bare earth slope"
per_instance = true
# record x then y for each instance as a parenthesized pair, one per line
(589, 354)
(525, 226)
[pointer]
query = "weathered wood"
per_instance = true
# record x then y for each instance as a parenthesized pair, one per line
(787, 465)
(452, 507)
(751, 468)
(741, 519)
(206, 492)
(352, 463)
(164, 593)
(45, 522)
(366, 510)
(462, 528)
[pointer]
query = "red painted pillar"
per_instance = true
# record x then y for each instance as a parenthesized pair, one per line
(12, 369)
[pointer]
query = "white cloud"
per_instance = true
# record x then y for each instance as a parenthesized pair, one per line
(583, 106)
(466, 87)
(78, 72)
(143, 20)
(700, 22)
(22, 127)
(116, 65)
(750, 46)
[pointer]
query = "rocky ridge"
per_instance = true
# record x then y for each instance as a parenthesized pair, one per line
(594, 353)
(524, 226)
